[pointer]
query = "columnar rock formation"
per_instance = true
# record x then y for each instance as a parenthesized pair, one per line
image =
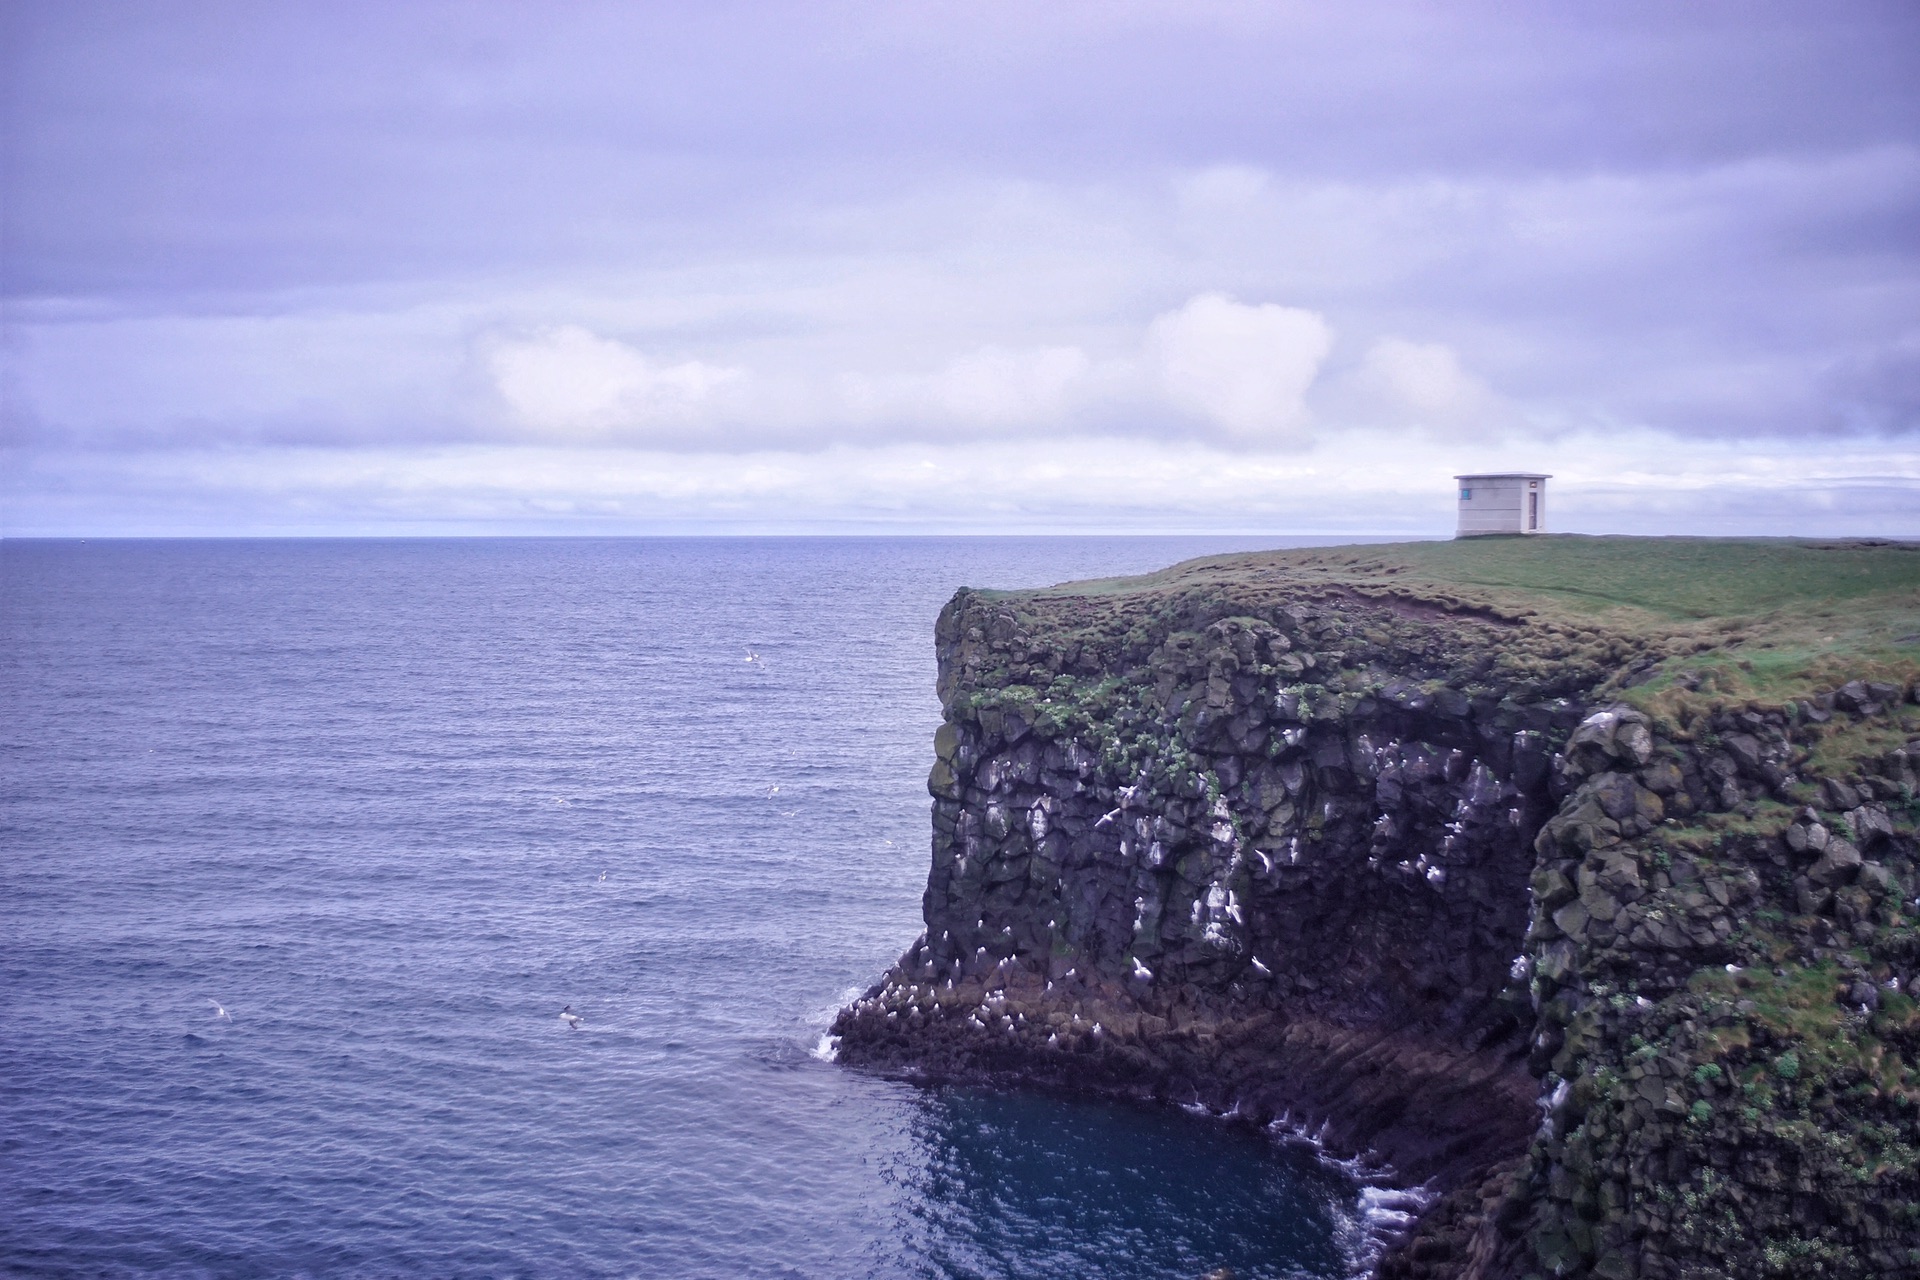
(1405, 869)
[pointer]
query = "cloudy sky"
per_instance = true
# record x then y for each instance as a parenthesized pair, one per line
(978, 267)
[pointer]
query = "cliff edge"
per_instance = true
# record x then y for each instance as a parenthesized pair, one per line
(1573, 878)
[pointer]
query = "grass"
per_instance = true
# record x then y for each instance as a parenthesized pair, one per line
(1678, 578)
(1800, 1006)
(1712, 830)
(1845, 742)
(1673, 578)
(1732, 619)
(1776, 1055)
(1798, 1002)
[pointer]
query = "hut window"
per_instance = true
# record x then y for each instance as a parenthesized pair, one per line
(1466, 494)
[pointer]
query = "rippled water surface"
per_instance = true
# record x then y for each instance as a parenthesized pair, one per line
(391, 805)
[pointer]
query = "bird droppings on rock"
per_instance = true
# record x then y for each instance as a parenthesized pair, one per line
(1618, 967)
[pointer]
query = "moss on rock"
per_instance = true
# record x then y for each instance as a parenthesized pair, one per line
(1543, 870)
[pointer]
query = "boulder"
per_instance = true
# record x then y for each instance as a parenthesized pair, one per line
(1854, 696)
(1627, 802)
(1663, 778)
(1580, 826)
(1837, 865)
(1615, 872)
(1571, 920)
(1870, 824)
(1616, 735)
(1745, 750)
(1811, 899)
(1839, 796)
(1551, 887)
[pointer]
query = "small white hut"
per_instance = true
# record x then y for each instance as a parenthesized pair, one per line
(1507, 502)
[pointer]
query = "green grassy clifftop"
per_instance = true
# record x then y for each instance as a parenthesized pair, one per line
(1767, 617)
(1574, 874)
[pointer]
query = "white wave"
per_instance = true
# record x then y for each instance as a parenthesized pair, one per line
(1393, 1208)
(828, 1048)
(1379, 1218)
(824, 1015)
(1382, 1210)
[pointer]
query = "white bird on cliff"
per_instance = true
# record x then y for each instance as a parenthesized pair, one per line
(1141, 971)
(572, 1019)
(1264, 971)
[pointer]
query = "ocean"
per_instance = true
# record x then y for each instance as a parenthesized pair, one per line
(306, 844)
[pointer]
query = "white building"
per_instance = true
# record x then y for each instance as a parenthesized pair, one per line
(1509, 502)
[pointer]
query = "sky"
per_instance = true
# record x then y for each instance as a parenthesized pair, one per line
(1194, 267)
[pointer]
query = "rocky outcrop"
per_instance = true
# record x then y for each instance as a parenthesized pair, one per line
(1721, 953)
(1407, 872)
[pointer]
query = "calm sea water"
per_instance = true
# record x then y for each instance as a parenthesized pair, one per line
(391, 805)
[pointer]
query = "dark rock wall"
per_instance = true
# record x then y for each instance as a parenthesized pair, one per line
(1375, 866)
(1721, 953)
(1361, 853)
(1274, 859)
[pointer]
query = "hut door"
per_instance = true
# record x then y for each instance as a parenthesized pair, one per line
(1533, 510)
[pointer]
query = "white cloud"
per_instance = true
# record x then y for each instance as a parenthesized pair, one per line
(1424, 376)
(1523, 306)
(1363, 482)
(1001, 387)
(1243, 369)
(1407, 384)
(986, 391)
(690, 291)
(569, 381)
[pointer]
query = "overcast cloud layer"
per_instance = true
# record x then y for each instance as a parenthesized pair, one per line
(978, 267)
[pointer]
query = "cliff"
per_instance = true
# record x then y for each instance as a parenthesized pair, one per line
(1574, 878)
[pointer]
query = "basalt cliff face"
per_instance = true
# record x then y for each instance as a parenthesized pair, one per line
(1407, 867)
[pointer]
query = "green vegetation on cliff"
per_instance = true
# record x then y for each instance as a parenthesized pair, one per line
(1622, 826)
(1676, 578)
(1767, 617)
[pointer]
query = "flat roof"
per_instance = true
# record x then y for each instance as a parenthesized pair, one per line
(1507, 475)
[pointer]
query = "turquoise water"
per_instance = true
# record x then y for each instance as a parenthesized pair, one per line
(305, 845)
